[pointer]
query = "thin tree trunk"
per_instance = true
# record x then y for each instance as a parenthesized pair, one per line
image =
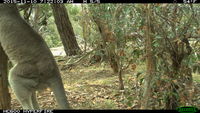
(172, 97)
(36, 18)
(84, 37)
(121, 83)
(109, 38)
(109, 45)
(149, 61)
(84, 27)
(65, 29)
(5, 99)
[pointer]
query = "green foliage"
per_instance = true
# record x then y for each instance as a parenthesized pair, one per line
(170, 24)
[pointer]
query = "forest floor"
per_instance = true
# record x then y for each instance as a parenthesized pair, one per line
(96, 87)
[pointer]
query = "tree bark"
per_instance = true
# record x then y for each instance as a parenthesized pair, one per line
(150, 62)
(84, 27)
(109, 39)
(5, 99)
(108, 43)
(65, 29)
(36, 18)
(121, 83)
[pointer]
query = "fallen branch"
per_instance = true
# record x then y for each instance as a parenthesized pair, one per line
(80, 59)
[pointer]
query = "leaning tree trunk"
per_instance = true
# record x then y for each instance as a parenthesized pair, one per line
(108, 43)
(5, 99)
(65, 29)
(149, 61)
(109, 39)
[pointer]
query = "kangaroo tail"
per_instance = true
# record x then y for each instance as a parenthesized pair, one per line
(57, 87)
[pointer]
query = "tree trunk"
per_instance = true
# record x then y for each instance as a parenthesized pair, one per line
(65, 29)
(5, 99)
(108, 43)
(109, 39)
(84, 27)
(149, 61)
(27, 11)
(36, 18)
(121, 83)
(172, 97)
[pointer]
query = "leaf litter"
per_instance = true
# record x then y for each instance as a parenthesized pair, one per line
(96, 87)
